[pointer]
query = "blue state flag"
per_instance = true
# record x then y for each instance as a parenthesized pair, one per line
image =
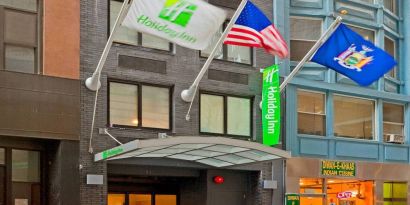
(350, 54)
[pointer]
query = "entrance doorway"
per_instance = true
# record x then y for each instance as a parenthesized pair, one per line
(144, 190)
(141, 199)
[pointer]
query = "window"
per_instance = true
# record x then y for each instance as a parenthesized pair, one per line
(304, 32)
(395, 193)
(128, 36)
(25, 177)
(311, 113)
(393, 120)
(141, 199)
(237, 54)
(390, 48)
(20, 39)
(368, 1)
(365, 33)
(354, 117)
(229, 115)
(390, 5)
(336, 191)
(136, 105)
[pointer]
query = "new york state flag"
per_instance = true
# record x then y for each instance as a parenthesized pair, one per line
(350, 54)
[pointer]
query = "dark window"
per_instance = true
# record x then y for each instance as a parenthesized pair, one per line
(20, 31)
(221, 114)
(129, 36)
(138, 105)
(237, 54)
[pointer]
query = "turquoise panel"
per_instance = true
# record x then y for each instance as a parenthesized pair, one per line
(396, 153)
(357, 150)
(313, 146)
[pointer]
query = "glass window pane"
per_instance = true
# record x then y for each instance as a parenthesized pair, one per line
(155, 42)
(360, 191)
(311, 113)
(25, 166)
(311, 186)
(123, 34)
(354, 118)
(116, 199)
(239, 54)
(20, 28)
(395, 193)
(239, 116)
(305, 29)
(2, 156)
(304, 33)
(20, 59)
(214, 40)
(365, 33)
(390, 48)
(390, 5)
(393, 113)
(30, 5)
(212, 114)
(161, 199)
(123, 104)
(311, 102)
(140, 199)
(155, 107)
(308, 200)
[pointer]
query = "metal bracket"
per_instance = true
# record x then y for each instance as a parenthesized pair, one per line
(103, 131)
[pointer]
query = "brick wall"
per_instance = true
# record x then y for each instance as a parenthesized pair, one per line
(181, 69)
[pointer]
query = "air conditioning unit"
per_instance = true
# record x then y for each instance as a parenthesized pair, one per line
(393, 138)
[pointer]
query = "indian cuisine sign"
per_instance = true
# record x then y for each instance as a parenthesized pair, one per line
(338, 168)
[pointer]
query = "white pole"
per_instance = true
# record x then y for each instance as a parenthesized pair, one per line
(189, 94)
(93, 83)
(312, 51)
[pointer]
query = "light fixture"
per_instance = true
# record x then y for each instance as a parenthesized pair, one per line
(135, 121)
(218, 179)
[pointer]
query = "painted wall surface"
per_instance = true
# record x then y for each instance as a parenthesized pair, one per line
(317, 78)
(61, 38)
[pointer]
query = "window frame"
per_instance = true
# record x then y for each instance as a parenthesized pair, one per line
(322, 28)
(396, 68)
(139, 100)
(394, 199)
(225, 114)
(395, 123)
(374, 124)
(43, 171)
(225, 51)
(394, 6)
(324, 109)
(171, 46)
(364, 28)
(37, 47)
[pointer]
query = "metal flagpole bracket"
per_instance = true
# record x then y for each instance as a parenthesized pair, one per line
(189, 94)
(93, 83)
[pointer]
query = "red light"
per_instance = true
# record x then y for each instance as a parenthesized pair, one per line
(218, 180)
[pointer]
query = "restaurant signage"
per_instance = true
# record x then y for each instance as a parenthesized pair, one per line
(338, 168)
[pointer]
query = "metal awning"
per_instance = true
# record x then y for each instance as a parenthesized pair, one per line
(212, 151)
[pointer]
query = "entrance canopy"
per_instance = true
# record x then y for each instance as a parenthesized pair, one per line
(212, 151)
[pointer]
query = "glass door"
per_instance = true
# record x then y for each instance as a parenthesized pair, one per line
(141, 199)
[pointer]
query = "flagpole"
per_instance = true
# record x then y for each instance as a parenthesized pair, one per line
(312, 51)
(189, 94)
(93, 83)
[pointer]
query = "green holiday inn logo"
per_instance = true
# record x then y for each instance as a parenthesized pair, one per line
(178, 11)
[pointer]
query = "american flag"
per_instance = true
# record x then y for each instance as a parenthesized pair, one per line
(253, 29)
